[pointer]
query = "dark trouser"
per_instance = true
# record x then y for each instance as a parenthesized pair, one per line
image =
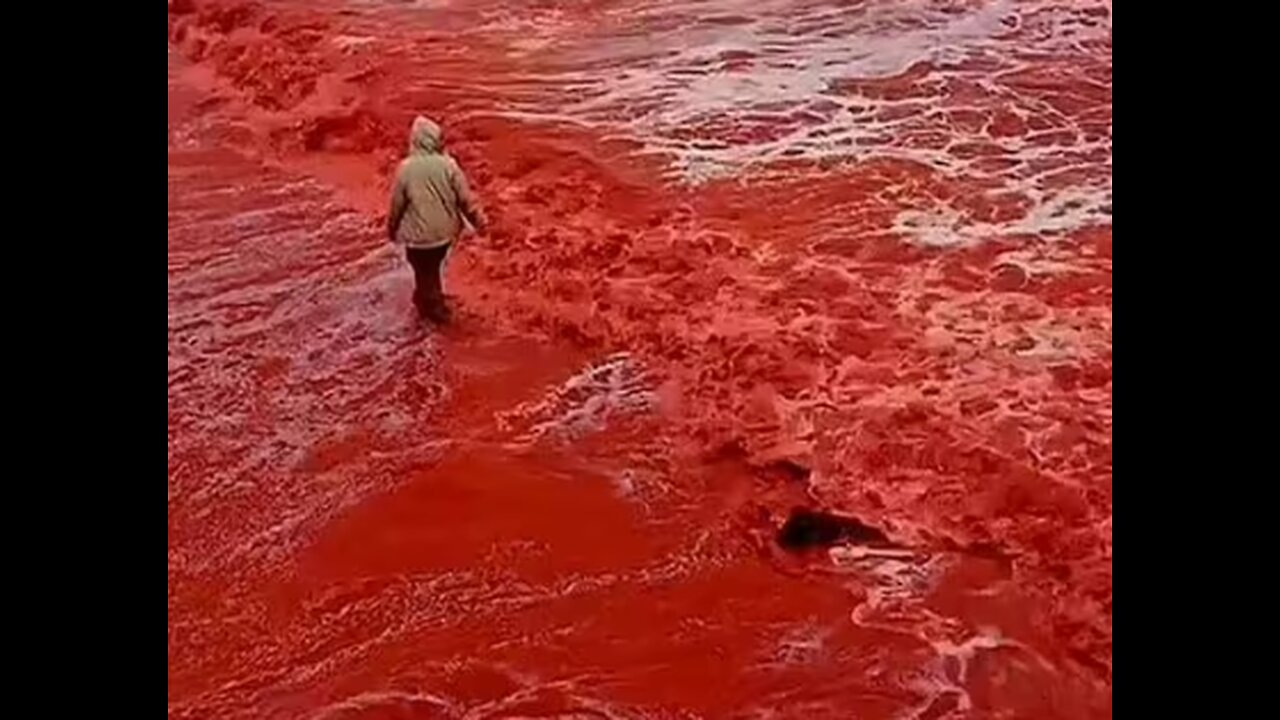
(428, 295)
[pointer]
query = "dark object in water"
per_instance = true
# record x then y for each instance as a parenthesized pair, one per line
(810, 528)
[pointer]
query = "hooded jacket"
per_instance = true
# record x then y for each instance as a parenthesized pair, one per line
(431, 197)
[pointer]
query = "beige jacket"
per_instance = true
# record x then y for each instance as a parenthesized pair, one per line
(431, 197)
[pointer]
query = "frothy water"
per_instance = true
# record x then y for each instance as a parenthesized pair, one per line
(586, 402)
(984, 92)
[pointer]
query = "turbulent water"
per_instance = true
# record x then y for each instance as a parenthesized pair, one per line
(746, 256)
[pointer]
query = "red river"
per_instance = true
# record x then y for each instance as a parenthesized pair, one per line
(853, 256)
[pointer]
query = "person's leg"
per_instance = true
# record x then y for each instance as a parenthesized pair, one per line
(433, 290)
(420, 261)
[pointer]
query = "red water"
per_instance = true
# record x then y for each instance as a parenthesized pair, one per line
(748, 255)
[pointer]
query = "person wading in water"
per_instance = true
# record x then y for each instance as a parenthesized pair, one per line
(429, 202)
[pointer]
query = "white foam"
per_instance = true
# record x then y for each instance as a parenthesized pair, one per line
(584, 403)
(656, 74)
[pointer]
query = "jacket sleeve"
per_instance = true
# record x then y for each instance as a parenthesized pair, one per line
(467, 202)
(399, 203)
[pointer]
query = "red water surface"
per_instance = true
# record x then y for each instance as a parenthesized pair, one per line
(746, 256)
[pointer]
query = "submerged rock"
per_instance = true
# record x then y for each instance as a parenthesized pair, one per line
(815, 528)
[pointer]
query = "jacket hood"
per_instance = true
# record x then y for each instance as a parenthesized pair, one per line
(425, 136)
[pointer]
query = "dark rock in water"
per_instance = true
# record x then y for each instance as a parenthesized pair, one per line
(814, 528)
